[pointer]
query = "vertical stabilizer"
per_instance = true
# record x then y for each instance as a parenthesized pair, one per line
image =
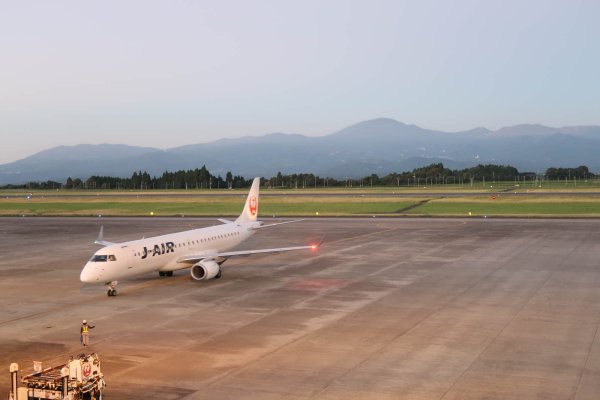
(250, 212)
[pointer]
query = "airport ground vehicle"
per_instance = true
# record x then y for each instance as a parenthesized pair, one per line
(79, 379)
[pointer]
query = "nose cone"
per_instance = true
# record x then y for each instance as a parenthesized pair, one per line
(89, 274)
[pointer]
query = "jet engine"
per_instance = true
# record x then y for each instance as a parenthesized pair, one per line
(204, 270)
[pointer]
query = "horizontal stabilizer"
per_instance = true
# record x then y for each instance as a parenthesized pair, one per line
(275, 224)
(225, 221)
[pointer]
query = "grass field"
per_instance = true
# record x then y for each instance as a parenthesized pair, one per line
(200, 206)
(291, 204)
(531, 206)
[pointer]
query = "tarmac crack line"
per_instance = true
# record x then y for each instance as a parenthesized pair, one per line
(587, 359)
(342, 314)
(415, 326)
(234, 372)
(510, 321)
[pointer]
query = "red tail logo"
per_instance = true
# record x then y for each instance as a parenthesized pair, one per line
(253, 205)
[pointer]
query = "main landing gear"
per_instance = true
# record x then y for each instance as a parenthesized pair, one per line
(165, 273)
(112, 288)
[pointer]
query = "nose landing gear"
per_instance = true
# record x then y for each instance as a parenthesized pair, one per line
(112, 288)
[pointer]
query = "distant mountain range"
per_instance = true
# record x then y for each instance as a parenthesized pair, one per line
(376, 146)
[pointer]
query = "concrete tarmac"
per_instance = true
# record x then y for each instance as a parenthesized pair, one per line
(385, 309)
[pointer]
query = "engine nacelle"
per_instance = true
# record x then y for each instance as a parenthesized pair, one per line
(205, 270)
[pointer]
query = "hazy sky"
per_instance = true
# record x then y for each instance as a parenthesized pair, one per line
(167, 73)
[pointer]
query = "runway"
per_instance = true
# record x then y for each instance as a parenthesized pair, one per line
(385, 309)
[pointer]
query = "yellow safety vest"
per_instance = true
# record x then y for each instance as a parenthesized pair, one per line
(85, 329)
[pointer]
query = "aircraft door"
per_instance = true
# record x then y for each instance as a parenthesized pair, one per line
(128, 257)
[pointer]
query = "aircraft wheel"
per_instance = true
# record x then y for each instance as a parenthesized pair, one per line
(112, 292)
(169, 273)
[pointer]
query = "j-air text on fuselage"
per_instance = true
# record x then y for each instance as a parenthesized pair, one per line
(202, 250)
(168, 247)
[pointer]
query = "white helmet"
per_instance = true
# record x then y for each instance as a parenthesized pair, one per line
(84, 321)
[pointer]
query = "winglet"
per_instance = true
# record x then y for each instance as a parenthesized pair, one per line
(100, 239)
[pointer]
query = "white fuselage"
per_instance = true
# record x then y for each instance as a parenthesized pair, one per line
(162, 253)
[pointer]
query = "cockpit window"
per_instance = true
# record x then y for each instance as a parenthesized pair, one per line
(103, 258)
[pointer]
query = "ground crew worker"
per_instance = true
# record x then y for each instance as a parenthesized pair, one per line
(85, 333)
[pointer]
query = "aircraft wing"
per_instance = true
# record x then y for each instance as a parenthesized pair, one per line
(192, 259)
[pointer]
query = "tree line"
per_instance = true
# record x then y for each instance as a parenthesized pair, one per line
(201, 178)
(433, 174)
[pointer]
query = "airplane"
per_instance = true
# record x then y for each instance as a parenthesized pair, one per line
(202, 250)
